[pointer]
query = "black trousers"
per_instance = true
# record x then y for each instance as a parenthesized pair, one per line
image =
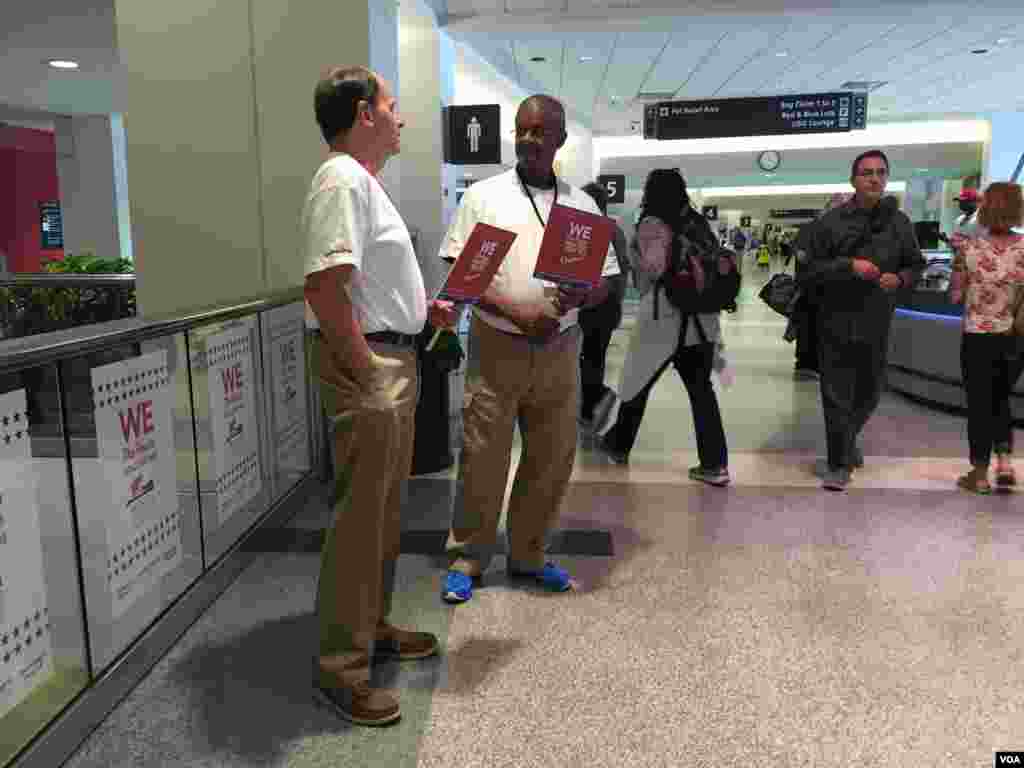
(807, 336)
(598, 324)
(694, 367)
(990, 369)
(852, 376)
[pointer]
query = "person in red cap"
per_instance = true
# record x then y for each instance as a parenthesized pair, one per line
(967, 222)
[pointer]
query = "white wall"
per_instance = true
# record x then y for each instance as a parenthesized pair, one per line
(92, 193)
(291, 46)
(478, 82)
(124, 216)
(384, 60)
(222, 141)
(420, 101)
(1006, 146)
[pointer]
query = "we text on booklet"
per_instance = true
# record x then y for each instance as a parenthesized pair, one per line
(476, 266)
(574, 247)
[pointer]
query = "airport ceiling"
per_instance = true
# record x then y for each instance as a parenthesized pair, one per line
(605, 57)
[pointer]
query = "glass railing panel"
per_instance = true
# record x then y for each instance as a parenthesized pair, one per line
(134, 463)
(286, 383)
(43, 657)
(227, 396)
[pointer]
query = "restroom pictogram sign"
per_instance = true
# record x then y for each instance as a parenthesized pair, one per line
(473, 134)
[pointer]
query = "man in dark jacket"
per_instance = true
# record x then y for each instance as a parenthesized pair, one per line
(859, 255)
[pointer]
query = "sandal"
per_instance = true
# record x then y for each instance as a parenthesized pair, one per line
(976, 481)
(1005, 476)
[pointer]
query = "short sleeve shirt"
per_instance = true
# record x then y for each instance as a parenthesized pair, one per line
(502, 201)
(995, 274)
(348, 218)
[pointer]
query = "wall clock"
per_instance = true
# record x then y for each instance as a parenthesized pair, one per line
(769, 161)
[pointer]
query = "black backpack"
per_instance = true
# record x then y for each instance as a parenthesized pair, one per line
(694, 242)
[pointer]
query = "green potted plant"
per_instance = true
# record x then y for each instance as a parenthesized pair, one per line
(31, 310)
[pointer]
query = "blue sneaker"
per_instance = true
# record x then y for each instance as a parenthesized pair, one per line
(550, 577)
(457, 587)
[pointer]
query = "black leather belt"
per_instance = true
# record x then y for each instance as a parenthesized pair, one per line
(392, 337)
(383, 337)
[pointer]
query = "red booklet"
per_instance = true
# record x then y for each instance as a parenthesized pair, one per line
(479, 261)
(574, 247)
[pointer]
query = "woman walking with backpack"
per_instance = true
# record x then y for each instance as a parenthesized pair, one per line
(673, 324)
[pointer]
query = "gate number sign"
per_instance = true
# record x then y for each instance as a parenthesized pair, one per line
(615, 185)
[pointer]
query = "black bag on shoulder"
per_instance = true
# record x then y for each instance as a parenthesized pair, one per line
(694, 243)
(781, 293)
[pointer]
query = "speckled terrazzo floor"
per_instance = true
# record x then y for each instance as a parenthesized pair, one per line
(768, 624)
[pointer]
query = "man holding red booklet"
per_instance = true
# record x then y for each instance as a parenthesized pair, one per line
(523, 365)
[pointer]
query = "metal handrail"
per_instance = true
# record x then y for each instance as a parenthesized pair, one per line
(46, 348)
(64, 280)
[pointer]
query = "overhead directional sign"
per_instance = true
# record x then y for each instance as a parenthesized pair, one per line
(795, 213)
(756, 116)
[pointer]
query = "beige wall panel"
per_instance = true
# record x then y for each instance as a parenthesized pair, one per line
(190, 138)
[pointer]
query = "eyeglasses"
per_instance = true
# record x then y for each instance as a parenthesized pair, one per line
(540, 133)
(867, 173)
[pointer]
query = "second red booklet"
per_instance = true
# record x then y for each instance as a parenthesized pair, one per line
(574, 247)
(477, 264)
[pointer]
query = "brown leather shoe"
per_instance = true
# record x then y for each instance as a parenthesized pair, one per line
(360, 704)
(402, 644)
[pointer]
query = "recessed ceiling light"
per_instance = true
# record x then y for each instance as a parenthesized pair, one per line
(586, 58)
(538, 58)
(1004, 40)
(63, 64)
(782, 54)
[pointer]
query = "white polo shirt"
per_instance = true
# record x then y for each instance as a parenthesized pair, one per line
(502, 201)
(348, 218)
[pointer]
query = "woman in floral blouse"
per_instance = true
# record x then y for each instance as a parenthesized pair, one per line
(988, 276)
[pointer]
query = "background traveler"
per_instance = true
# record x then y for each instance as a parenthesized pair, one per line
(663, 335)
(859, 254)
(989, 281)
(806, 311)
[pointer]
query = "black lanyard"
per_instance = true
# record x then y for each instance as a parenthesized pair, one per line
(529, 194)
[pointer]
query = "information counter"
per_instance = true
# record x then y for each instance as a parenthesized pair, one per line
(924, 348)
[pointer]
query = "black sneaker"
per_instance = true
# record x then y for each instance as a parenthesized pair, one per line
(613, 455)
(836, 479)
(718, 476)
(856, 457)
(601, 421)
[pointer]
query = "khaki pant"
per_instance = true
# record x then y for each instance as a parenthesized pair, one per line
(510, 381)
(373, 431)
